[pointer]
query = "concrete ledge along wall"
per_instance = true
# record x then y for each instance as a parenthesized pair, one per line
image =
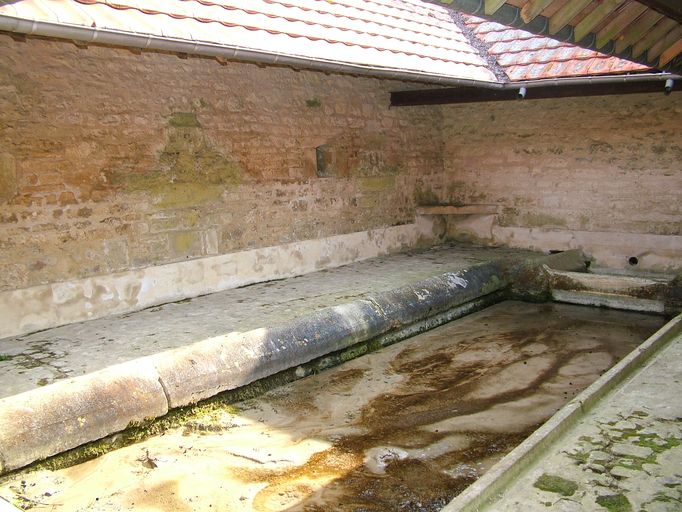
(128, 180)
(64, 415)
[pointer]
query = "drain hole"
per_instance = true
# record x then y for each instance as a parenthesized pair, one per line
(632, 260)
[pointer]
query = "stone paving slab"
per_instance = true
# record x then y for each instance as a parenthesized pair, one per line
(624, 455)
(41, 358)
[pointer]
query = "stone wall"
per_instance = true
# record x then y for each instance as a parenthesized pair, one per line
(120, 168)
(602, 173)
(113, 160)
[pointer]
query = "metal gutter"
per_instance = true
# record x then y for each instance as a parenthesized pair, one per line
(112, 37)
(645, 83)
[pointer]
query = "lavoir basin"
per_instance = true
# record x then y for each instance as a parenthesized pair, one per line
(407, 427)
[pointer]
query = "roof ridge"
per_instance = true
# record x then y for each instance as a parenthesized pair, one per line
(482, 46)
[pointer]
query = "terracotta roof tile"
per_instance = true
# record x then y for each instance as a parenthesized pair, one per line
(526, 56)
(397, 34)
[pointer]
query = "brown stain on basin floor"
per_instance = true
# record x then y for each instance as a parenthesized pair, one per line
(404, 428)
(442, 381)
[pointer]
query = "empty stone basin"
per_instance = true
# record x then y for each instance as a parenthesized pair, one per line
(405, 428)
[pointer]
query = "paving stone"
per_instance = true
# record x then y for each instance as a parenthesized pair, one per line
(597, 468)
(625, 425)
(651, 469)
(621, 472)
(650, 384)
(599, 457)
(631, 450)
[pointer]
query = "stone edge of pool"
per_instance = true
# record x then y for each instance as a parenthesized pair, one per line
(46, 421)
(485, 491)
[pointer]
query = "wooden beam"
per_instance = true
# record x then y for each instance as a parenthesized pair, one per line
(637, 30)
(605, 9)
(663, 44)
(653, 36)
(492, 6)
(455, 95)
(671, 8)
(566, 14)
(618, 24)
(669, 54)
(533, 8)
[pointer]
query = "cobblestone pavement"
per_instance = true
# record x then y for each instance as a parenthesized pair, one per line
(625, 455)
(69, 351)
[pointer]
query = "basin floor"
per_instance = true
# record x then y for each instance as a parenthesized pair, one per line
(41, 358)
(404, 428)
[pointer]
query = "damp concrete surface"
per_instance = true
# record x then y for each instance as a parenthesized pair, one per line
(405, 428)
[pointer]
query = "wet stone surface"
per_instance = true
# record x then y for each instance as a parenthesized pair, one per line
(624, 456)
(404, 428)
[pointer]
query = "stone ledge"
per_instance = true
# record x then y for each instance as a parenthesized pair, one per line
(46, 421)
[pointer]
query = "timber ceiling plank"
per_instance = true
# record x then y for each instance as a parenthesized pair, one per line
(637, 30)
(492, 6)
(663, 44)
(671, 8)
(659, 31)
(598, 15)
(669, 54)
(532, 9)
(630, 13)
(566, 14)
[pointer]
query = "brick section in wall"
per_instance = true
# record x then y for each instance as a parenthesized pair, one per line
(113, 160)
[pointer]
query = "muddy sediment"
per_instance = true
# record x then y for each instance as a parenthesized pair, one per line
(405, 428)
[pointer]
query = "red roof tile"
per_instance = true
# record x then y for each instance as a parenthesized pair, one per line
(526, 56)
(406, 35)
(394, 34)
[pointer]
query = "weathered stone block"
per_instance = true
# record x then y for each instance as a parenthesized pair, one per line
(49, 420)
(8, 177)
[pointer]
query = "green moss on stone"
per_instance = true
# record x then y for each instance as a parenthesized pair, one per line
(5, 357)
(615, 503)
(425, 197)
(191, 170)
(205, 416)
(540, 220)
(313, 103)
(184, 119)
(556, 484)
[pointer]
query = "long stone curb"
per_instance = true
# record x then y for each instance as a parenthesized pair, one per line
(484, 492)
(49, 420)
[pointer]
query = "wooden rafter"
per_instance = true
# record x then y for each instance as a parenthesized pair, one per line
(636, 30)
(566, 14)
(671, 53)
(589, 22)
(618, 24)
(532, 9)
(663, 44)
(658, 32)
(492, 6)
